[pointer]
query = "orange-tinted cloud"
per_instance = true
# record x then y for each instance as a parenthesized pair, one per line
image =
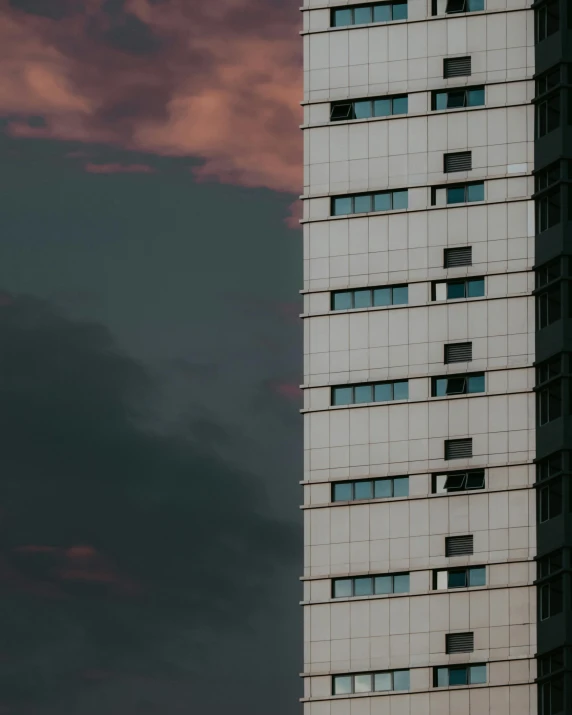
(218, 81)
(118, 168)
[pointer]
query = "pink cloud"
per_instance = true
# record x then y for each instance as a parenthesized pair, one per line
(288, 390)
(118, 169)
(218, 81)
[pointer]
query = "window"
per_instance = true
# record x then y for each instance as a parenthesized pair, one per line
(458, 352)
(370, 585)
(548, 306)
(548, 209)
(551, 586)
(372, 392)
(458, 448)
(457, 385)
(471, 577)
(462, 256)
(446, 7)
(549, 474)
(466, 480)
(459, 545)
(549, 390)
(551, 686)
(366, 108)
(369, 297)
(548, 273)
(459, 675)
(365, 203)
(458, 193)
(458, 98)
(374, 12)
(457, 161)
(547, 177)
(548, 102)
(459, 643)
(456, 289)
(547, 18)
(370, 489)
(370, 682)
(456, 67)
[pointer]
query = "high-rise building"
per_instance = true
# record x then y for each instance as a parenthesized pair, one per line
(438, 343)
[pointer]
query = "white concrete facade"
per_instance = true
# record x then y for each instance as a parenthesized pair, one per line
(374, 440)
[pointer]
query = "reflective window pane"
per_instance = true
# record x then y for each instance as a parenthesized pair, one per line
(362, 204)
(342, 18)
(441, 100)
(457, 579)
(400, 105)
(362, 109)
(342, 684)
(478, 576)
(400, 390)
(456, 385)
(442, 677)
(476, 192)
(382, 296)
(476, 287)
(362, 298)
(382, 681)
(343, 301)
(362, 683)
(382, 202)
(383, 584)
(383, 488)
(401, 680)
(342, 396)
(476, 481)
(382, 107)
(456, 290)
(342, 206)
(400, 199)
(455, 482)
(458, 676)
(382, 13)
(363, 586)
(363, 489)
(343, 491)
(478, 674)
(476, 5)
(382, 392)
(400, 11)
(362, 393)
(476, 383)
(401, 487)
(401, 583)
(400, 295)
(341, 112)
(440, 387)
(456, 195)
(476, 97)
(362, 15)
(342, 588)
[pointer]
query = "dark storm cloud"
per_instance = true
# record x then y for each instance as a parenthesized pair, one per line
(122, 30)
(125, 545)
(52, 9)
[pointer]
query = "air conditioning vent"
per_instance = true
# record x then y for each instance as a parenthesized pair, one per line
(459, 545)
(462, 256)
(460, 642)
(457, 67)
(458, 161)
(458, 352)
(458, 448)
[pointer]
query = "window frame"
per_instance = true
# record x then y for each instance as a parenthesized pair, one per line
(352, 291)
(372, 578)
(463, 378)
(460, 569)
(371, 195)
(372, 5)
(372, 385)
(466, 474)
(372, 675)
(466, 91)
(372, 100)
(458, 281)
(465, 185)
(373, 482)
(468, 667)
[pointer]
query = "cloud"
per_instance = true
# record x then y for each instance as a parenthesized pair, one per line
(121, 536)
(118, 168)
(217, 81)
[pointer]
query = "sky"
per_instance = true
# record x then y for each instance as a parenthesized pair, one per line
(150, 357)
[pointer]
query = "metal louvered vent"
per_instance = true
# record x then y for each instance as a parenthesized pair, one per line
(458, 352)
(462, 256)
(458, 448)
(457, 161)
(458, 545)
(460, 642)
(457, 67)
